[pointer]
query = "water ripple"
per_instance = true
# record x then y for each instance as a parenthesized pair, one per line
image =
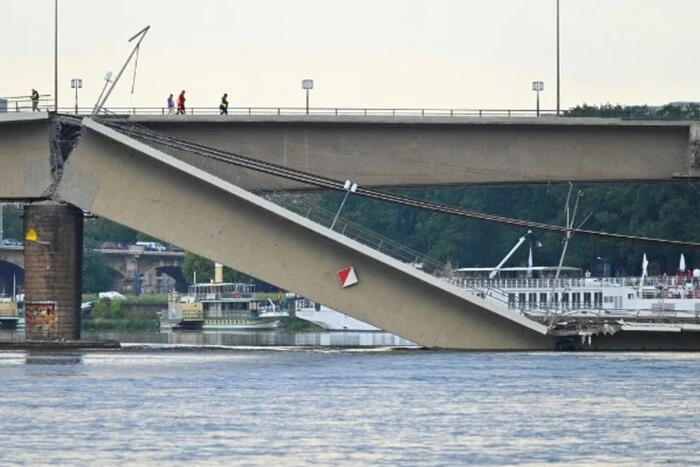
(300, 406)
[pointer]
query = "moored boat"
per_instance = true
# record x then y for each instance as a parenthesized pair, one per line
(218, 307)
(9, 315)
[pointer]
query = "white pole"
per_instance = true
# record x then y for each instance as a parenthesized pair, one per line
(335, 219)
(55, 58)
(141, 34)
(558, 65)
(1, 231)
(495, 270)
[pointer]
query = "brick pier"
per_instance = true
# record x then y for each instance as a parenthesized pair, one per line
(53, 257)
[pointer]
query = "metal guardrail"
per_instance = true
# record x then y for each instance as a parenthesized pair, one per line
(24, 103)
(317, 111)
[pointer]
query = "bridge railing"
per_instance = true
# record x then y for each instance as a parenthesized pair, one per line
(318, 111)
(24, 103)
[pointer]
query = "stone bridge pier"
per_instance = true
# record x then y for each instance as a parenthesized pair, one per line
(53, 255)
(137, 271)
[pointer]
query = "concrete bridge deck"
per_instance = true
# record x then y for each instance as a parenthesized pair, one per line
(415, 151)
(392, 151)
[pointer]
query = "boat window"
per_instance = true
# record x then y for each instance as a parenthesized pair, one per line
(598, 299)
(543, 299)
(511, 300)
(565, 299)
(586, 299)
(521, 300)
(575, 300)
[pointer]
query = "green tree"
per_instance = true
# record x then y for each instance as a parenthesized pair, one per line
(12, 221)
(100, 230)
(96, 276)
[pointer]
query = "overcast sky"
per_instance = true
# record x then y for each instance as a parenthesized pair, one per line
(361, 53)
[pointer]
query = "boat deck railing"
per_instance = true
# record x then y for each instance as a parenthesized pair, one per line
(660, 283)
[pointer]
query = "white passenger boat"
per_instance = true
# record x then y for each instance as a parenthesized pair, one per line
(219, 307)
(567, 291)
(575, 294)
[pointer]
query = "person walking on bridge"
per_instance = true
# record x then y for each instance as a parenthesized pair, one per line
(35, 100)
(171, 105)
(181, 103)
(223, 107)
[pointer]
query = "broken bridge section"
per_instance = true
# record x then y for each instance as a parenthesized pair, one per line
(136, 185)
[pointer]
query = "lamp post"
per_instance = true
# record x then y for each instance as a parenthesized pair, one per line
(55, 58)
(76, 83)
(558, 68)
(307, 84)
(538, 86)
(350, 187)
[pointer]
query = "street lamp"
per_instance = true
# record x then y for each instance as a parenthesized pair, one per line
(350, 187)
(307, 84)
(55, 58)
(558, 67)
(538, 86)
(76, 83)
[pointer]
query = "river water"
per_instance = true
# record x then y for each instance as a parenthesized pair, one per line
(260, 400)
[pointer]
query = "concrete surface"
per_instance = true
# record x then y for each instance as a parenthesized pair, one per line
(25, 168)
(141, 188)
(405, 151)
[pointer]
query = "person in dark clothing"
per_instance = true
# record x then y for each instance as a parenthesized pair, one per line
(223, 107)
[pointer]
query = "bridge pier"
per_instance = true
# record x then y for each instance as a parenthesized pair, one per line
(53, 257)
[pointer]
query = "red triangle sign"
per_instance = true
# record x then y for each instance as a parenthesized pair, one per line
(347, 277)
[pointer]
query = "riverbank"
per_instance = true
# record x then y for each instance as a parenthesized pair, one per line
(60, 345)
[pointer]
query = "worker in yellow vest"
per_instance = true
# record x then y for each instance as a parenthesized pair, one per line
(223, 107)
(35, 100)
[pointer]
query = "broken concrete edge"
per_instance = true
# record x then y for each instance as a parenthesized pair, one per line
(65, 134)
(308, 224)
(60, 345)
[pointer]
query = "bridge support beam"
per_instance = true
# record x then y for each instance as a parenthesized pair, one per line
(53, 257)
(118, 178)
